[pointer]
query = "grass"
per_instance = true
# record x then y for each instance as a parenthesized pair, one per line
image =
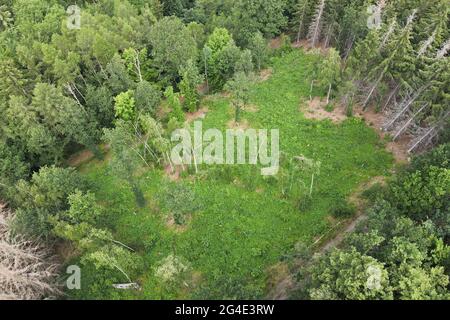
(242, 225)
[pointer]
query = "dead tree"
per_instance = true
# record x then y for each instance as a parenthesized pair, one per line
(426, 44)
(26, 272)
(404, 106)
(428, 135)
(444, 50)
(388, 34)
(409, 122)
(315, 27)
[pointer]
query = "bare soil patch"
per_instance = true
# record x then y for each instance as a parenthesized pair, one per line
(280, 282)
(251, 108)
(275, 43)
(315, 110)
(79, 158)
(303, 43)
(265, 74)
(173, 173)
(199, 114)
(398, 148)
(243, 124)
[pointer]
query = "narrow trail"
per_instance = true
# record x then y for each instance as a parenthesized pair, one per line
(286, 283)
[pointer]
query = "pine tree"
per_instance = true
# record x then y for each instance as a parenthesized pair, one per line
(303, 17)
(315, 27)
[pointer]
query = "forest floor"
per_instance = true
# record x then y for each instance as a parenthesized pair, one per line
(241, 226)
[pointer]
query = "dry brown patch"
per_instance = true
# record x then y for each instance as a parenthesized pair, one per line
(79, 158)
(173, 172)
(398, 148)
(315, 111)
(280, 282)
(251, 108)
(275, 43)
(192, 281)
(65, 251)
(265, 74)
(243, 124)
(199, 114)
(304, 44)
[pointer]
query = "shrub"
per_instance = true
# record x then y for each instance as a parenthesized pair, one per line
(343, 209)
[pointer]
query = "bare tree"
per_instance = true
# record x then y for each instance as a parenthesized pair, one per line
(26, 272)
(426, 44)
(444, 50)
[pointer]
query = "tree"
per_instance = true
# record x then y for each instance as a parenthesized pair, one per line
(190, 80)
(315, 28)
(13, 168)
(329, 71)
(125, 106)
(239, 86)
(303, 15)
(346, 275)
(173, 99)
(27, 269)
(223, 57)
(115, 258)
(125, 156)
(172, 45)
(147, 97)
(265, 16)
(44, 196)
(259, 50)
(245, 62)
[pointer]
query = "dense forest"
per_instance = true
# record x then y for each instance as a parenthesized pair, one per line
(92, 91)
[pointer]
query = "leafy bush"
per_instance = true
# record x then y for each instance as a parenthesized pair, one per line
(343, 209)
(179, 201)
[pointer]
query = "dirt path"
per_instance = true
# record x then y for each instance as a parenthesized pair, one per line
(285, 281)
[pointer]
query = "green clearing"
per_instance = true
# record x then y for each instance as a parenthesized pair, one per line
(242, 225)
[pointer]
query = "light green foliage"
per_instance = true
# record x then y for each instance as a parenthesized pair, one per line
(173, 99)
(330, 71)
(125, 106)
(420, 194)
(78, 223)
(114, 258)
(6, 18)
(223, 57)
(239, 87)
(344, 275)
(259, 49)
(178, 201)
(190, 80)
(245, 62)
